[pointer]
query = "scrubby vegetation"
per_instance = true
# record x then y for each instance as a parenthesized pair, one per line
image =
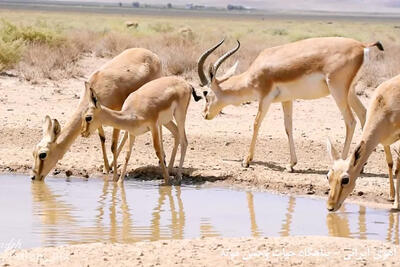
(49, 46)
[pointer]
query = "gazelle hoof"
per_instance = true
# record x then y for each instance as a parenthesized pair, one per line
(245, 164)
(289, 168)
(396, 206)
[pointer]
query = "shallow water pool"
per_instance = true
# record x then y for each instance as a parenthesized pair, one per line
(60, 211)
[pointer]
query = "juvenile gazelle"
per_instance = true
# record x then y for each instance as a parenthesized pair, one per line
(382, 126)
(155, 104)
(306, 69)
(113, 82)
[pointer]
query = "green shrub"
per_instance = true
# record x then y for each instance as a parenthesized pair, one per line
(10, 53)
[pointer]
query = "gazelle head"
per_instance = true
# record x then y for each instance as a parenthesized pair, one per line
(342, 177)
(90, 121)
(212, 94)
(46, 153)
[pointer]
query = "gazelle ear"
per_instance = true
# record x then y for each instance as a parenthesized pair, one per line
(93, 100)
(47, 126)
(211, 73)
(334, 155)
(51, 129)
(358, 152)
(56, 129)
(229, 73)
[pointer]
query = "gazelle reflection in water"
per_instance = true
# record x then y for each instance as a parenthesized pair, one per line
(113, 221)
(393, 228)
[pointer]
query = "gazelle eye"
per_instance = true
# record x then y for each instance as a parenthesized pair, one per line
(42, 156)
(327, 177)
(345, 180)
(205, 93)
(88, 118)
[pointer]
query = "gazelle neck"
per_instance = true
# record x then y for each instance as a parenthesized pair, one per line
(236, 90)
(361, 154)
(117, 119)
(71, 130)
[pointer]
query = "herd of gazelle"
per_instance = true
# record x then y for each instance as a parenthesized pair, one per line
(129, 93)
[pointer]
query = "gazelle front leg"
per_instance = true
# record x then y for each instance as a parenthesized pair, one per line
(106, 167)
(389, 161)
(287, 117)
(155, 131)
(121, 145)
(127, 157)
(263, 107)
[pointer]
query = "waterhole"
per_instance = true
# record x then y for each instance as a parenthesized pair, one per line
(73, 211)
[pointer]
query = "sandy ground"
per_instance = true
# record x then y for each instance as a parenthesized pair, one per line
(216, 149)
(294, 251)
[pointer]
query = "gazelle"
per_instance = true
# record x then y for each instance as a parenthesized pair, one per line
(382, 126)
(306, 69)
(155, 104)
(113, 82)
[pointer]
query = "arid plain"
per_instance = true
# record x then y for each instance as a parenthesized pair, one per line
(56, 52)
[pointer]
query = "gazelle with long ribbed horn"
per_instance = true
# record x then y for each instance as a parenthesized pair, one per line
(307, 69)
(155, 104)
(382, 126)
(113, 82)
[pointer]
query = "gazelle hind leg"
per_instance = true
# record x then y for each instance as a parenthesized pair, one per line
(339, 94)
(171, 126)
(288, 115)
(396, 204)
(155, 131)
(114, 143)
(121, 145)
(131, 141)
(262, 111)
(389, 161)
(161, 143)
(106, 167)
(180, 118)
(358, 107)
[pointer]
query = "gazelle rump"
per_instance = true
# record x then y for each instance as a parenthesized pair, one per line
(306, 69)
(113, 82)
(155, 104)
(382, 126)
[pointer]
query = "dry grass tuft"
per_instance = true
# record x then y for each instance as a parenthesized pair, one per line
(44, 62)
(381, 67)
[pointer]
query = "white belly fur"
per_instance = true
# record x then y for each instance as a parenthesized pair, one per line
(310, 86)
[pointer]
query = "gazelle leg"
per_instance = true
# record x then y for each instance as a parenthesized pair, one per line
(106, 167)
(161, 143)
(389, 161)
(131, 139)
(114, 143)
(180, 117)
(358, 107)
(288, 114)
(155, 131)
(339, 94)
(396, 204)
(262, 110)
(121, 145)
(171, 126)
